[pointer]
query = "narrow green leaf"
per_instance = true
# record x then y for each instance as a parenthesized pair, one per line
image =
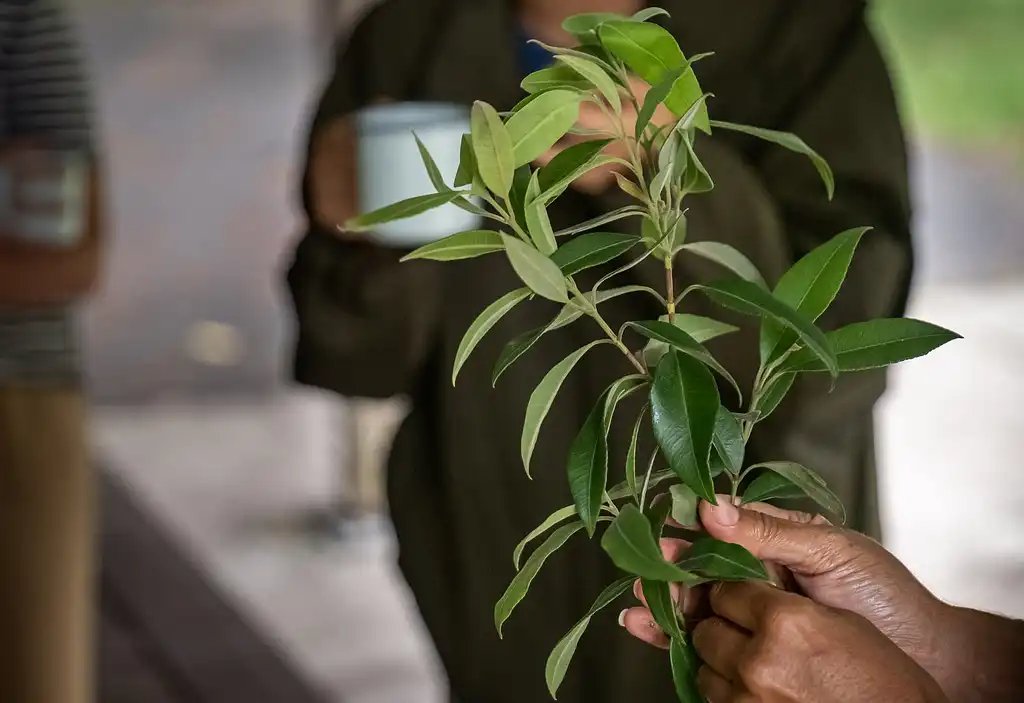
(658, 595)
(522, 581)
(616, 393)
(672, 335)
(483, 324)
(684, 505)
(703, 329)
(579, 25)
(723, 561)
(632, 547)
(522, 179)
(613, 216)
(542, 399)
(697, 179)
(690, 117)
(748, 298)
(684, 402)
(810, 286)
(552, 520)
(655, 96)
(770, 486)
(650, 13)
(787, 141)
(728, 257)
(539, 226)
(436, 179)
(561, 656)
(684, 670)
(588, 467)
(773, 395)
(401, 210)
(660, 181)
(596, 76)
(631, 455)
(629, 187)
(592, 249)
(516, 348)
(553, 78)
(568, 165)
(467, 163)
(621, 490)
(728, 441)
(535, 129)
(464, 245)
(876, 344)
(651, 52)
(537, 271)
(809, 482)
(492, 147)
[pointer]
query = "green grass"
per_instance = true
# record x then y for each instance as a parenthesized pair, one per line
(959, 65)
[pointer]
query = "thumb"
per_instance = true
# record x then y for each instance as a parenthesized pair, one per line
(805, 545)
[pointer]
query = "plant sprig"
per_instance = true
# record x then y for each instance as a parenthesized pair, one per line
(699, 438)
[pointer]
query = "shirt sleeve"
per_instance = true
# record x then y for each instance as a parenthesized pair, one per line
(47, 93)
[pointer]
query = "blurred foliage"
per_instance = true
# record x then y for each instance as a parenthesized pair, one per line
(959, 65)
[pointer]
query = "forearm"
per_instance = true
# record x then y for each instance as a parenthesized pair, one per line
(983, 658)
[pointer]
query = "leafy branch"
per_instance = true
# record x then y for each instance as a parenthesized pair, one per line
(700, 438)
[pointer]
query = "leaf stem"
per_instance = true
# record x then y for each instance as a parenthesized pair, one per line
(592, 310)
(670, 290)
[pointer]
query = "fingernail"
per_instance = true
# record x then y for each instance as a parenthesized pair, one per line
(622, 618)
(725, 513)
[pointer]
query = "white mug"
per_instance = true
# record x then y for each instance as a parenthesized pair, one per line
(390, 168)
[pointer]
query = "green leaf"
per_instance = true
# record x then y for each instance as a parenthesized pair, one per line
(522, 180)
(492, 148)
(730, 258)
(703, 329)
(537, 271)
(631, 455)
(651, 52)
(400, 210)
(539, 226)
(535, 129)
(629, 187)
(464, 245)
(561, 656)
(876, 344)
(592, 249)
(728, 441)
(467, 164)
(543, 397)
(596, 76)
(658, 595)
(568, 165)
(723, 561)
(684, 402)
(436, 179)
(770, 486)
(552, 520)
(684, 670)
(553, 78)
(522, 581)
(660, 181)
(613, 216)
(773, 395)
(812, 485)
(516, 348)
(684, 505)
(579, 25)
(621, 490)
(483, 324)
(655, 96)
(678, 339)
(697, 179)
(632, 547)
(747, 298)
(616, 393)
(787, 141)
(588, 467)
(650, 13)
(810, 286)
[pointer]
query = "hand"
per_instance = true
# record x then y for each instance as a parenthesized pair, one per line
(834, 567)
(765, 644)
(594, 118)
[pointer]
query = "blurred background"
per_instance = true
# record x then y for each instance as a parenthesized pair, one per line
(203, 107)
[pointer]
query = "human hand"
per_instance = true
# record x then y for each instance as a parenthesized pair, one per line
(835, 567)
(765, 644)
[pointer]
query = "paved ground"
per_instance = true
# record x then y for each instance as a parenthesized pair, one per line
(187, 348)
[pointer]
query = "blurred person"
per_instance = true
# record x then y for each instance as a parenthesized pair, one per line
(368, 326)
(860, 628)
(50, 242)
